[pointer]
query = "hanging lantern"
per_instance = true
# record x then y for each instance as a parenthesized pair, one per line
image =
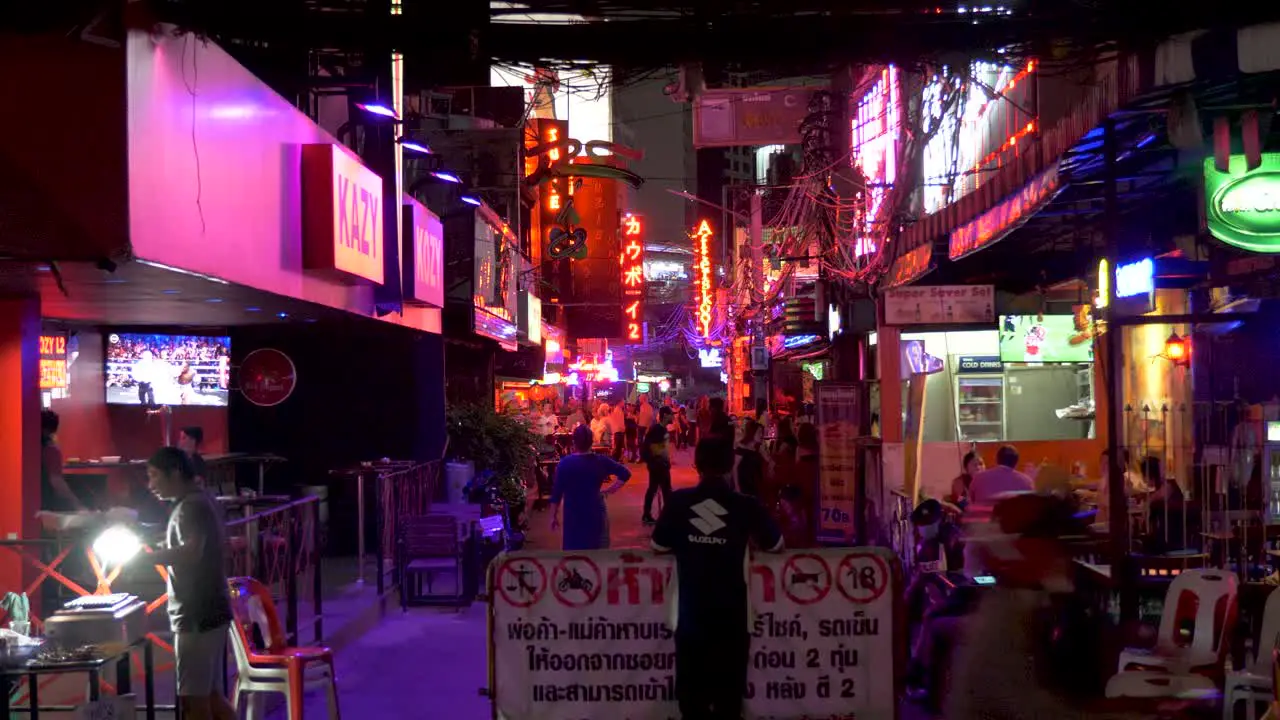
(1177, 351)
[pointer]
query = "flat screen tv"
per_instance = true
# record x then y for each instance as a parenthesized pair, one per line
(1045, 339)
(152, 369)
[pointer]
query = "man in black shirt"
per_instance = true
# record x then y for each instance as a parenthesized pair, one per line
(199, 603)
(190, 440)
(709, 529)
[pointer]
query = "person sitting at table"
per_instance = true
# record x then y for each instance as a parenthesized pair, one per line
(1165, 509)
(579, 479)
(1133, 483)
(55, 494)
(969, 467)
(189, 440)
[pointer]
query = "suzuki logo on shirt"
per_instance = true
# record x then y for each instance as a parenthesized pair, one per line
(708, 521)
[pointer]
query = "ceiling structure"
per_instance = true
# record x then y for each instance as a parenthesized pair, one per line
(142, 294)
(454, 43)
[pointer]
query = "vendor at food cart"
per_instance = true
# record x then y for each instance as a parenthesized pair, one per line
(199, 602)
(55, 494)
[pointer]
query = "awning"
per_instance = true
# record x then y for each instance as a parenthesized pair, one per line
(1217, 54)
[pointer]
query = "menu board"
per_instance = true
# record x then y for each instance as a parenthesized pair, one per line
(53, 362)
(838, 405)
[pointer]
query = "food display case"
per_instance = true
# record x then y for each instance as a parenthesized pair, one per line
(979, 407)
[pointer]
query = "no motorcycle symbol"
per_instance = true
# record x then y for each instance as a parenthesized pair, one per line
(521, 582)
(806, 579)
(576, 581)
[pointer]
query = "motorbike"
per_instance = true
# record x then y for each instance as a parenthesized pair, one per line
(938, 587)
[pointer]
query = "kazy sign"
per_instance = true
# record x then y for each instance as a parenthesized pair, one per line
(997, 222)
(342, 216)
(1243, 206)
(424, 243)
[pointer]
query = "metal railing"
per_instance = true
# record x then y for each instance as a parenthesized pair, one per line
(279, 545)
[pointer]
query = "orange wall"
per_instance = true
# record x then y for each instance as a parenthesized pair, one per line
(90, 428)
(1063, 453)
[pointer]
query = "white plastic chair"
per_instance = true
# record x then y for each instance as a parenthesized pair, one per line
(1255, 683)
(278, 669)
(1214, 592)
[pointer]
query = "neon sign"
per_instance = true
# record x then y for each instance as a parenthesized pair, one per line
(997, 222)
(710, 357)
(1243, 206)
(702, 275)
(632, 263)
(1137, 278)
(877, 129)
(53, 362)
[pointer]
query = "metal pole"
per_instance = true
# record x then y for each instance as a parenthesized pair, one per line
(756, 247)
(360, 527)
(1113, 381)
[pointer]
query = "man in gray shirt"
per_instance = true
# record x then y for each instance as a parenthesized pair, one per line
(199, 604)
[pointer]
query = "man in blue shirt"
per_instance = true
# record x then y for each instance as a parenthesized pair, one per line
(709, 529)
(579, 484)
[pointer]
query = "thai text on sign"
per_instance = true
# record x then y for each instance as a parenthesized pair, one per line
(631, 261)
(703, 293)
(575, 635)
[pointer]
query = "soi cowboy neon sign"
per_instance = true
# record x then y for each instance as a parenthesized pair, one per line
(702, 277)
(1243, 206)
(632, 262)
(995, 223)
(342, 213)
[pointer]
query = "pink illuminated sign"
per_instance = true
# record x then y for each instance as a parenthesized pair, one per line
(342, 223)
(424, 243)
(877, 129)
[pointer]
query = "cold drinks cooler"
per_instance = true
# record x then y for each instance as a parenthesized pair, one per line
(979, 407)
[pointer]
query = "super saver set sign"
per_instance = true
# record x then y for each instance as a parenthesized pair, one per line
(578, 636)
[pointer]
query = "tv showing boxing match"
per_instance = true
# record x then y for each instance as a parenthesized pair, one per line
(155, 370)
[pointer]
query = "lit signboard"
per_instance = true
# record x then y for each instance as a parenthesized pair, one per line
(1137, 278)
(342, 220)
(704, 295)
(53, 362)
(877, 131)
(1243, 206)
(631, 261)
(986, 125)
(424, 243)
(911, 266)
(710, 357)
(1000, 220)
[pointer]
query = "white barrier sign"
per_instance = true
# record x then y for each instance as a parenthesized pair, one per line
(584, 636)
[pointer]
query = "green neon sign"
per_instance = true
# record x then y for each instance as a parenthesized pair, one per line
(1243, 206)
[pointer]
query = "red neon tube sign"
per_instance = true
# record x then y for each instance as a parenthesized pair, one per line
(633, 281)
(702, 275)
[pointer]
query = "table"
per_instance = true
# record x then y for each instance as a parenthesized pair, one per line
(16, 663)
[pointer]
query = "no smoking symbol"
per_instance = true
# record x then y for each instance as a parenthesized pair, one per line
(806, 579)
(521, 582)
(576, 581)
(862, 578)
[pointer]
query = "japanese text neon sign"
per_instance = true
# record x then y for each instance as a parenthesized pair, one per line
(632, 262)
(702, 277)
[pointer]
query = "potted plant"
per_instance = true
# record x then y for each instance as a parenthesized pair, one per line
(501, 447)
